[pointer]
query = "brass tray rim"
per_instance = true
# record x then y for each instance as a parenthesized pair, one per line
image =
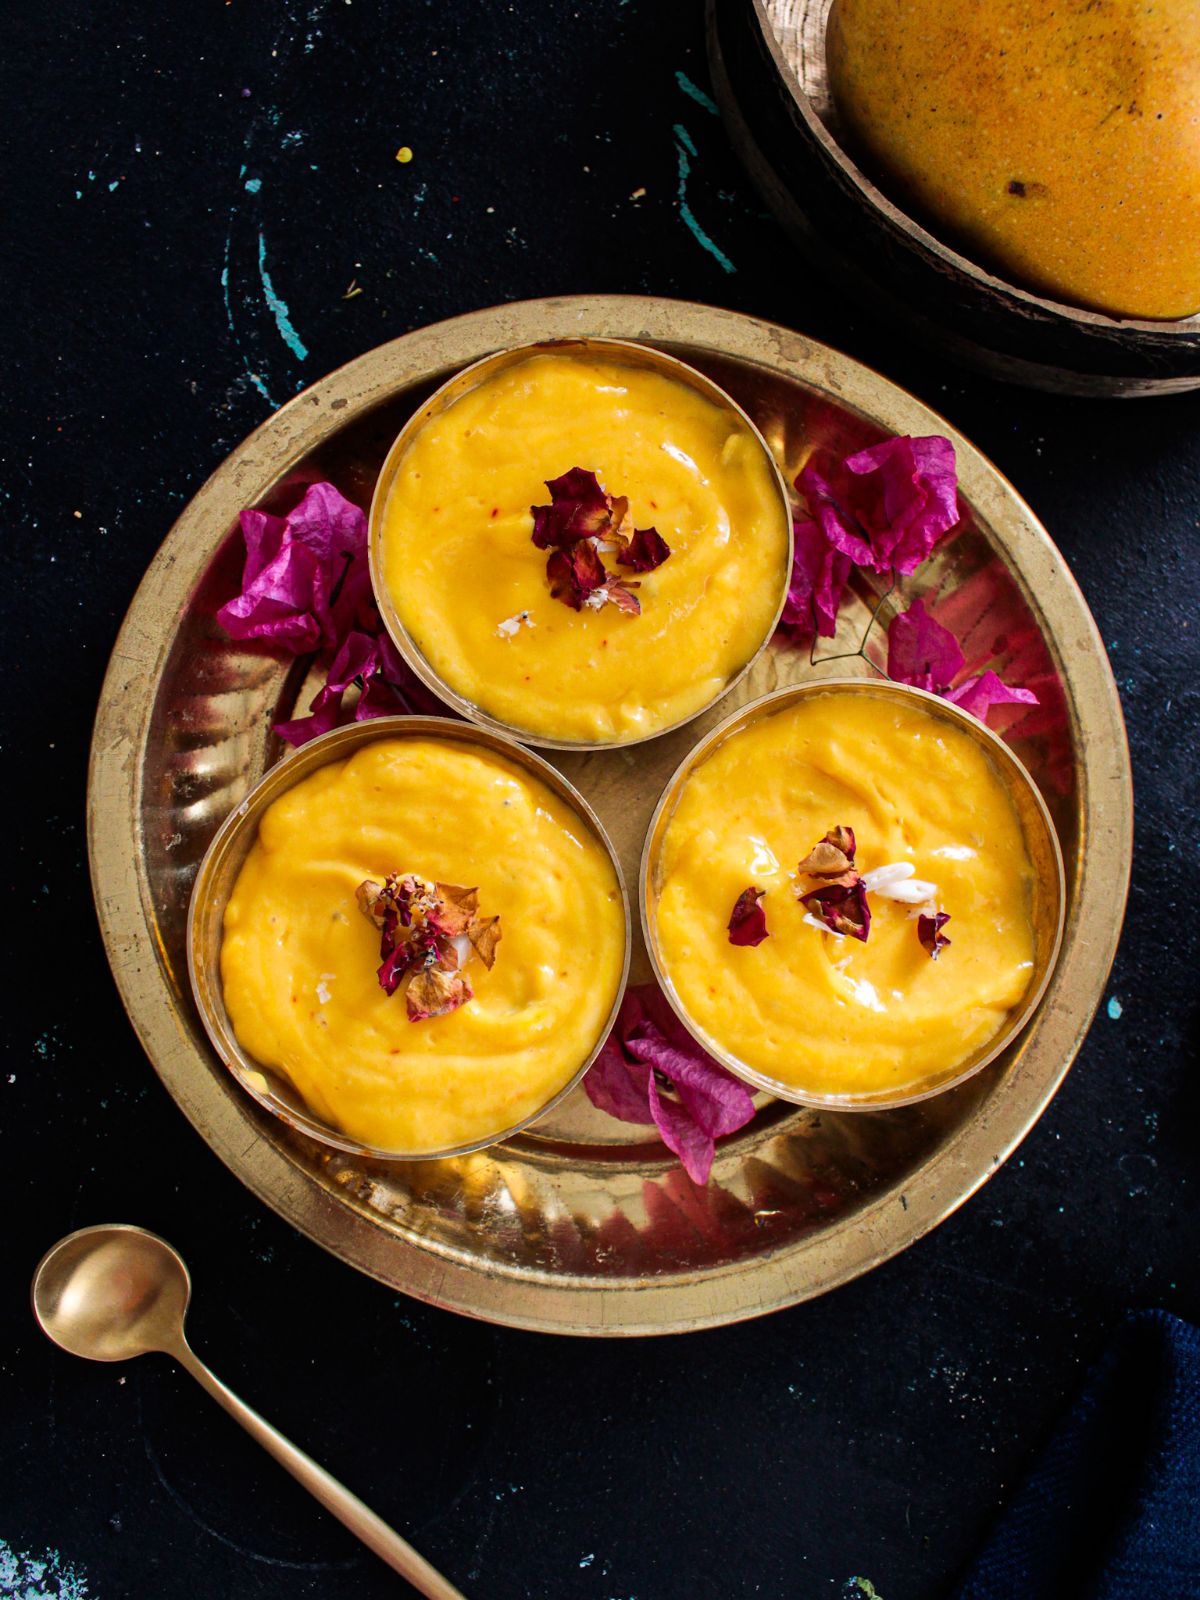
(882, 1227)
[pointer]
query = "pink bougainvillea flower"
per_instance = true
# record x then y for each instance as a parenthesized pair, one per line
(819, 577)
(389, 688)
(886, 507)
(929, 932)
(305, 583)
(979, 695)
(923, 653)
(748, 921)
(651, 1070)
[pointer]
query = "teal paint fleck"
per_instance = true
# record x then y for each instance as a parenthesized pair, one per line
(113, 185)
(45, 1577)
(253, 185)
(685, 149)
(1115, 1008)
(696, 93)
(237, 343)
(278, 307)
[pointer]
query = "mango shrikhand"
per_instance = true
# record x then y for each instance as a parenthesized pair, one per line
(843, 897)
(430, 841)
(584, 548)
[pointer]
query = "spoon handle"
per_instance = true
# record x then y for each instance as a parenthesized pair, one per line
(348, 1508)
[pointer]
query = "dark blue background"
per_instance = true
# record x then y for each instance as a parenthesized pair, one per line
(172, 170)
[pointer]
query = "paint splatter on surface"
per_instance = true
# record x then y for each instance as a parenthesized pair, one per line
(278, 307)
(1115, 1008)
(694, 92)
(685, 151)
(856, 1588)
(46, 1577)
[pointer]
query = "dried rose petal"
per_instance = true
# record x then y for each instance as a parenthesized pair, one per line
(646, 550)
(841, 906)
(427, 931)
(921, 652)
(650, 1039)
(979, 695)
(819, 577)
(620, 594)
(575, 573)
(578, 509)
(455, 908)
(886, 507)
(485, 934)
(748, 920)
(575, 527)
(433, 993)
(832, 855)
(929, 931)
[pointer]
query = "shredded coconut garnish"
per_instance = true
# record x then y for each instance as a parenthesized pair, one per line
(512, 625)
(896, 882)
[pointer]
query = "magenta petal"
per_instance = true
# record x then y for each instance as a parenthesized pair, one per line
(619, 1086)
(279, 603)
(264, 536)
(305, 582)
(650, 1038)
(682, 1134)
(979, 695)
(324, 712)
(357, 658)
(920, 651)
(330, 525)
(905, 497)
(716, 1100)
(886, 507)
(828, 495)
(819, 577)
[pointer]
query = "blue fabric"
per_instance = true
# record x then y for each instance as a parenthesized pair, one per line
(1111, 1508)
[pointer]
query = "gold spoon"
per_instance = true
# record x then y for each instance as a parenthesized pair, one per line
(109, 1293)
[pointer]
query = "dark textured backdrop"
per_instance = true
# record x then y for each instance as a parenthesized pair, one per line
(179, 176)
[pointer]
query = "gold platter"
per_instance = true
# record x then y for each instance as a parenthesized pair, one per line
(582, 1224)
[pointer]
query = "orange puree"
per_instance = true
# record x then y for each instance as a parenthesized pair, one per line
(459, 562)
(299, 960)
(828, 1015)
(1058, 139)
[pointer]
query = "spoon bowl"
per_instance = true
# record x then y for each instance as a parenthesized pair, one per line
(108, 1293)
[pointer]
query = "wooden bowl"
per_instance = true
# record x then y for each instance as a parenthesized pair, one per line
(768, 67)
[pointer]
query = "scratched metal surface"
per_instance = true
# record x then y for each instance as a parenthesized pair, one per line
(869, 1434)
